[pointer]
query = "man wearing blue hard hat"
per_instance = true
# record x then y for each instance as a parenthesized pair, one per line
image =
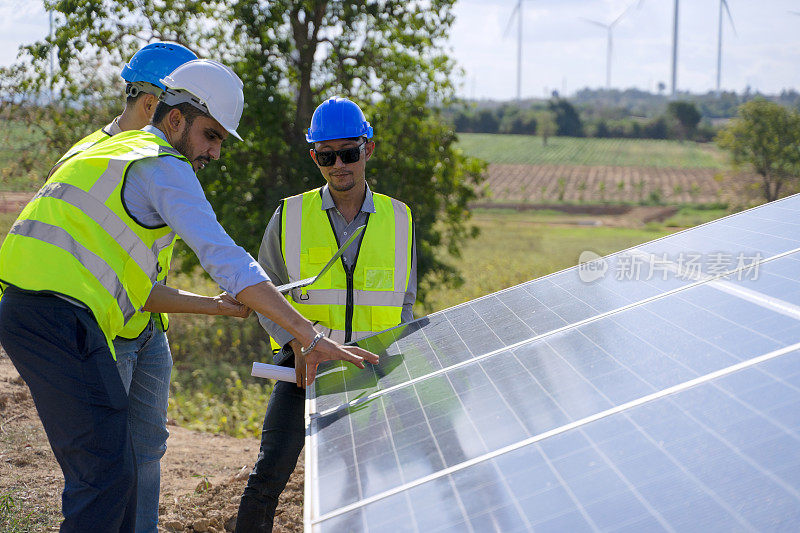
(143, 87)
(144, 360)
(371, 289)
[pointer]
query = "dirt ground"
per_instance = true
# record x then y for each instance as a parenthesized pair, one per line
(550, 184)
(202, 474)
(13, 202)
(591, 184)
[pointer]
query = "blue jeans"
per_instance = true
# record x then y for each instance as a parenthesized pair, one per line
(62, 355)
(145, 365)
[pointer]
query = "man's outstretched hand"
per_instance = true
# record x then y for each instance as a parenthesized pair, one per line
(305, 367)
(230, 306)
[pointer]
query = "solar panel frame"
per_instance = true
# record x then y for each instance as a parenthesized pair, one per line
(752, 243)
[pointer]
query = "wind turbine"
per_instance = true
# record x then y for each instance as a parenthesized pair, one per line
(518, 12)
(610, 29)
(723, 4)
(674, 49)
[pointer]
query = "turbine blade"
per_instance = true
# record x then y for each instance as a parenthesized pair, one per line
(511, 18)
(730, 17)
(637, 4)
(596, 23)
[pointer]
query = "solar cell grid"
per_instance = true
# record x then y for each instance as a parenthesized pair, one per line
(715, 457)
(516, 394)
(462, 333)
(454, 430)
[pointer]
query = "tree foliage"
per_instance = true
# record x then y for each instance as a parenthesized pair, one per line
(291, 54)
(567, 119)
(686, 115)
(546, 122)
(766, 137)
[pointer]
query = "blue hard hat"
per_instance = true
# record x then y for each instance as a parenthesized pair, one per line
(337, 118)
(156, 61)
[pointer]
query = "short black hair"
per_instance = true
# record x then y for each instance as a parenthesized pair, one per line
(188, 111)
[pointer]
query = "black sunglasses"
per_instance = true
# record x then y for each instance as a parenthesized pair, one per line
(327, 158)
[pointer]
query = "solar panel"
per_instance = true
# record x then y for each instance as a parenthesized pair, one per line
(626, 402)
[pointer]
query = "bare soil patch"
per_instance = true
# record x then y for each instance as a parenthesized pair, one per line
(592, 184)
(623, 216)
(13, 202)
(202, 477)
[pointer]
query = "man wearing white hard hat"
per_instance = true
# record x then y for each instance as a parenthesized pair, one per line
(81, 261)
(144, 359)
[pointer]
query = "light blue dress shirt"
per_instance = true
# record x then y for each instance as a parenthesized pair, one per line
(165, 190)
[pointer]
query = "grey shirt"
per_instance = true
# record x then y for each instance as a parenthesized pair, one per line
(113, 128)
(271, 258)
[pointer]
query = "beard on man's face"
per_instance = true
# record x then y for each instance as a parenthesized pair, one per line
(185, 147)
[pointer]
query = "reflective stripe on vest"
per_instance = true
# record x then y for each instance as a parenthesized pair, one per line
(81, 146)
(101, 190)
(76, 238)
(380, 274)
(162, 248)
(96, 209)
(91, 261)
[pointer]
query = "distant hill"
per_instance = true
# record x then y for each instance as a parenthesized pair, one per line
(602, 113)
(616, 103)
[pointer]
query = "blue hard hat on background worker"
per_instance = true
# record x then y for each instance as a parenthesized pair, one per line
(154, 62)
(338, 118)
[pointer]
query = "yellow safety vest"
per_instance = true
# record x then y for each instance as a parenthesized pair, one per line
(76, 238)
(137, 324)
(82, 145)
(351, 303)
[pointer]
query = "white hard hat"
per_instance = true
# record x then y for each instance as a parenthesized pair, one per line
(209, 86)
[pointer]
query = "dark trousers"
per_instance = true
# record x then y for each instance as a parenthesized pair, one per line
(282, 440)
(61, 353)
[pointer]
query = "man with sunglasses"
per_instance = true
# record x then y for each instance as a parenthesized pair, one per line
(371, 289)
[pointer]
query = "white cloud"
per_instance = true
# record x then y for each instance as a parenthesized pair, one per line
(559, 47)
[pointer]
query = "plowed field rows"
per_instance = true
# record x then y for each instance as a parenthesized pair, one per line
(529, 150)
(592, 184)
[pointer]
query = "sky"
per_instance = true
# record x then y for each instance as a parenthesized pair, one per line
(562, 51)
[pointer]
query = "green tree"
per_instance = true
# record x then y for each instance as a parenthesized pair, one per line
(387, 55)
(766, 137)
(567, 118)
(486, 121)
(686, 115)
(546, 124)
(517, 121)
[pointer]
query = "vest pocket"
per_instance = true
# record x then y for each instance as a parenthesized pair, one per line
(319, 255)
(379, 279)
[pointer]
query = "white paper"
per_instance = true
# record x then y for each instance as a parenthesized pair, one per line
(282, 373)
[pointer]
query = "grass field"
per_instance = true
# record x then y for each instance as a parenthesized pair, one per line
(515, 247)
(528, 150)
(20, 170)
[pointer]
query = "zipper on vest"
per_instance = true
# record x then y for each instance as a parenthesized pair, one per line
(348, 313)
